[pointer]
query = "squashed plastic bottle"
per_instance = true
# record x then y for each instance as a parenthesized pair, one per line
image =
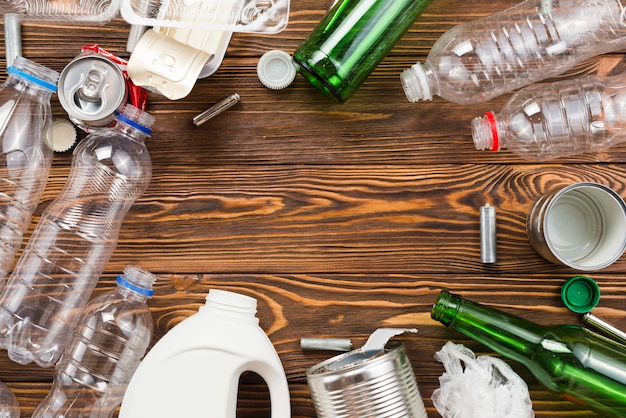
(534, 40)
(9, 407)
(569, 117)
(25, 157)
(110, 340)
(74, 239)
(194, 370)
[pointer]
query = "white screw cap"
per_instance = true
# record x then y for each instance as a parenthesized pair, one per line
(276, 69)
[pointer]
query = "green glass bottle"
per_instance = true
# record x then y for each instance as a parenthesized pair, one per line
(581, 366)
(350, 41)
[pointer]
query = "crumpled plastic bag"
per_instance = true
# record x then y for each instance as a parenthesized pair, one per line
(479, 387)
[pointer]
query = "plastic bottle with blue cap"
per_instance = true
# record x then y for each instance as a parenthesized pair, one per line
(26, 156)
(110, 340)
(73, 241)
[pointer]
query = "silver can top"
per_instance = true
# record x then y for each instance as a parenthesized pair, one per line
(91, 89)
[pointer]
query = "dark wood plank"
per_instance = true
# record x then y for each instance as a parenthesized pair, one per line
(339, 219)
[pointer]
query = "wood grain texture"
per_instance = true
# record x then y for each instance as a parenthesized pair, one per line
(338, 219)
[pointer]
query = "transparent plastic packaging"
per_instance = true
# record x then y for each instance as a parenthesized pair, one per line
(194, 370)
(534, 40)
(110, 340)
(548, 121)
(219, 15)
(26, 156)
(74, 239)
(9, 407)
(99, 11)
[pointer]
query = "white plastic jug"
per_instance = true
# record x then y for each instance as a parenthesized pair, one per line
(194, 370)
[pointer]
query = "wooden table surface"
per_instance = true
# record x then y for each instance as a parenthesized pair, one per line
(338, 219)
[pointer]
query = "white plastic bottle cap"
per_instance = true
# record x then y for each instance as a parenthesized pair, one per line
(62, 136)
(276, 69)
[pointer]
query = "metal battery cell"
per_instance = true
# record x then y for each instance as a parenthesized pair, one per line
(488, 249)
(92, 89)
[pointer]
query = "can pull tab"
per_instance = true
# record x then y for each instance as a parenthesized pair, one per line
(90, 95)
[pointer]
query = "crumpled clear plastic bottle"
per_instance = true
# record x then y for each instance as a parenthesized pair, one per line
(547, 121)
(534, 40)
(25, 157)
(74, 239)
(9, 407)
(110, 340)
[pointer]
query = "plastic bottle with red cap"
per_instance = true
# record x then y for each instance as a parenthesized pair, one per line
(536, 39)
(565, 118)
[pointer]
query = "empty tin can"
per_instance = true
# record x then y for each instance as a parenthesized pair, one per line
(92, 88)
(378, 383)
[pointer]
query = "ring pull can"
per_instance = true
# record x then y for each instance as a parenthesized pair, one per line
(92, 90)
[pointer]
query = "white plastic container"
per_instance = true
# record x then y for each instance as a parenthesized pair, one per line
(194, 370)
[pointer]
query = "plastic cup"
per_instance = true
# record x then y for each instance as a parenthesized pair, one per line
(582, 226)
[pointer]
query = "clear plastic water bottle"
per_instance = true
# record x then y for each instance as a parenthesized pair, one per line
(479, 60)
(73, 241)
(110, 340)
(9, 407)
(569, 117)
(25, 157)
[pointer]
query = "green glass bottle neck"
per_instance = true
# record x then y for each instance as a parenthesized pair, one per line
(507, 334)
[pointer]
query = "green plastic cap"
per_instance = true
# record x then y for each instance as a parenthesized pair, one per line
(580, 294)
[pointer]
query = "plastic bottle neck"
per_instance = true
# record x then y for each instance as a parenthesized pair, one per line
(486, 132)
(134, 123)
(507, 334)
(420, 82)
(33, 78)
(136, 284)
(232, 305)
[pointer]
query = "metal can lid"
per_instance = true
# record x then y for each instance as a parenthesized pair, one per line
(276, 70)
(580, 294)
(92, 88)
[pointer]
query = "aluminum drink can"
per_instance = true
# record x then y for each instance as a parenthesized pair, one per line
(92, 89)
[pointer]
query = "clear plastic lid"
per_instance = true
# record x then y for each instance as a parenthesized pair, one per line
(258, 16)
(100, 11)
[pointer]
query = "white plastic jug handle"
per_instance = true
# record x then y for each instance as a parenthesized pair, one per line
(274, 376)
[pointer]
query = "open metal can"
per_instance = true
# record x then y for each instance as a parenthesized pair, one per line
(92, 89)
(377, 383)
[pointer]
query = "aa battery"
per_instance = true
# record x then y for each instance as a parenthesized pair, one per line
(488, 251)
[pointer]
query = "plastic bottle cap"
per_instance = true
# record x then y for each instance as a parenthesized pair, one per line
(276, 69)
(62, 136)
(580, 294)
